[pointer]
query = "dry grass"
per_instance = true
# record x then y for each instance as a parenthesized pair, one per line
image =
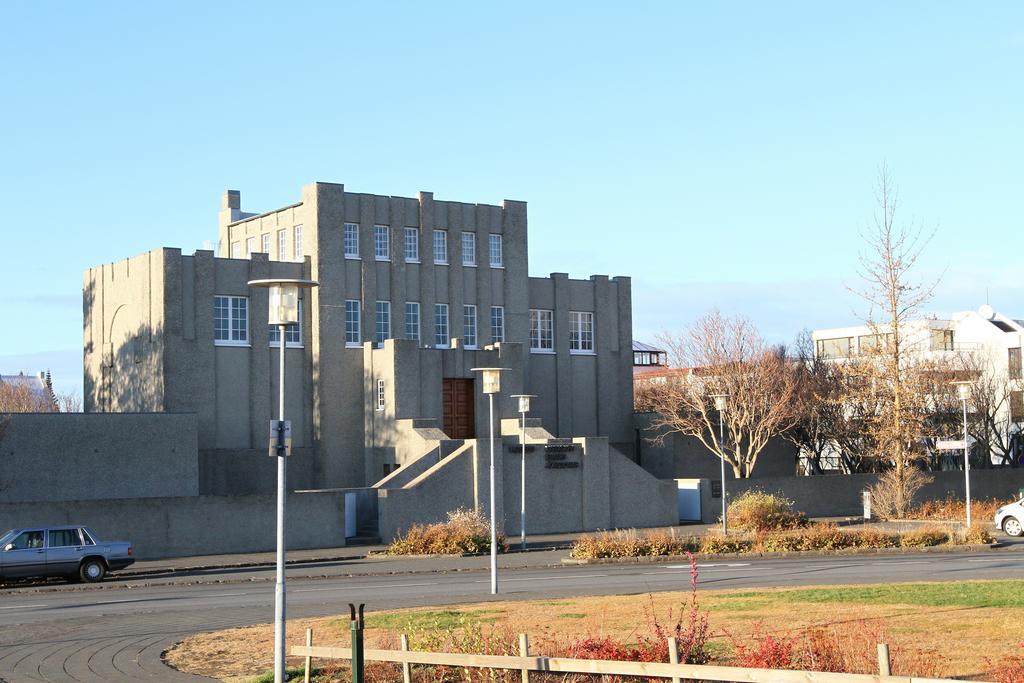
(970, 637)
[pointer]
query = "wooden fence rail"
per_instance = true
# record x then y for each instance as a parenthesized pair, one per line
(526, 663)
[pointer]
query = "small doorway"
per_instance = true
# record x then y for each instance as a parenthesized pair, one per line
(457, 401)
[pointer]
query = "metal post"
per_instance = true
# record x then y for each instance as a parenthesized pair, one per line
(884, 665)
(309, 660)
(357, 643)
(522, 501)
(721, 444)
(494, 531)
(967, 468)
(282, 475)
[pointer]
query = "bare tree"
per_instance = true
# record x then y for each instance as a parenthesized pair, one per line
(991, 421)
(724, 355)
(20, 398)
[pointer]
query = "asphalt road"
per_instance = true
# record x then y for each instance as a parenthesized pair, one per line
(117, 632)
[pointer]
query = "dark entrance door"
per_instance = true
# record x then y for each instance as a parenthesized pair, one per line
(459, 418)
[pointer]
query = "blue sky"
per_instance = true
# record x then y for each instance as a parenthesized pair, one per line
(722, 154)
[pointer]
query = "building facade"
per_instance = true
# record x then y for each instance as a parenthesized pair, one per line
(413, 294)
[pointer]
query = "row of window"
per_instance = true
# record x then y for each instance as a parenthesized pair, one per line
(844, 347)
(282, 245)
(231, 325)
(411, 251)
(353, 323)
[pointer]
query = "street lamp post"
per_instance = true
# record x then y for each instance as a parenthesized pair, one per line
(721, 400)
(524, 408)
(491, 386)
(963, 389)
(283, 311)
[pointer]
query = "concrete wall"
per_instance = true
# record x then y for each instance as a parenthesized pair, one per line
(205, 525)
(682, 457)
(840, 494)
(61, 456)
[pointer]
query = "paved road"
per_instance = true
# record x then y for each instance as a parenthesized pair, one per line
(117, 632)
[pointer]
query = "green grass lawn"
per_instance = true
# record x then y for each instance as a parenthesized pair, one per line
(959, 594)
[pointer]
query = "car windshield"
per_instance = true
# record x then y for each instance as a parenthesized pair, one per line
(7, 535)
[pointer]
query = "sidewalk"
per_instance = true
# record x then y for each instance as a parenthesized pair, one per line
(541, 551)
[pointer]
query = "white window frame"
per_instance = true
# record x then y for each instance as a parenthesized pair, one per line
(383, 310)
(441, 323)
(539, 342)
(297, 243)
(265, 243)
(382, 247)
(469, 326)
(412, 320)
(236, 250)
(350, 240)
(496, 250)
(292, 333)
(581, 333)
(468, 250)
(282, 245)
(232, 316)
(498, 331)
(380, 395)
(412, 245)
(250, 246)
(441, 247)
(357, 309)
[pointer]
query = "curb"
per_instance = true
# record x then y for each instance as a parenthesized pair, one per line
(236, 565)
(654, 559)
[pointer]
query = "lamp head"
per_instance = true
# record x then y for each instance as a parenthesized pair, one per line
(284, 298)
(492, 379)
(524, 401)
(721, 401)
(963, 389)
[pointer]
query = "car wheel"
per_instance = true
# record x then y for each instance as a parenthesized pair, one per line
(1011, 525)
(92, 570)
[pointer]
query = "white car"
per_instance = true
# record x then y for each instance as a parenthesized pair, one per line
(1010, 517)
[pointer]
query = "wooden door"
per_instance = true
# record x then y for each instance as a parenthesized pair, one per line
(459, 416)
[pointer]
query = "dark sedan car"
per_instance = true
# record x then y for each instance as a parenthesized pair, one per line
(72, 552)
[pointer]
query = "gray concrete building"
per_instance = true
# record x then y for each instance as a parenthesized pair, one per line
(414, 292)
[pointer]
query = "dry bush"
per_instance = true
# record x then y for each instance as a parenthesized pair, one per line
(1008, 668)
(893, 493)
(466, 531)
(976, 534)
(631, 543)
(924, 537)
(716, 543)
(759, 511)
(952, 509)
(874, 538)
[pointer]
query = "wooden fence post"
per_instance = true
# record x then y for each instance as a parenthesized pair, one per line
(309, 660)
(406, 666)
(884, 668)
(673, 656)
(524, 651)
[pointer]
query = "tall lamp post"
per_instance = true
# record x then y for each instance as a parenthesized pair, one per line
(963, 389)
(283, 311)
(721, 401)
(492, 385)
(524, 408)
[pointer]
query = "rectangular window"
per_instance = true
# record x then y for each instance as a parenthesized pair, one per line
(874, 343)
(1014, 362)
(469, 248)
(265, 243)
(412, 320)
(292, 333)
(441, 247)
(353, 333)
(382, 242)
(495, 250)
(231, 320)
(498, 323)
(581, 332)
(840, 347)
(942, 340)
(1017, 406)
(380, 394)
(542, 330)
(351, 240)
(412, 245)
(250, 246)
(297, 243)
(236, 250)
(441, 326)
(383, 321)
(282, 245)
(469, 326)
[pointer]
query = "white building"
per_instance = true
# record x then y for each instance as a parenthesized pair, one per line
(989, 337)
